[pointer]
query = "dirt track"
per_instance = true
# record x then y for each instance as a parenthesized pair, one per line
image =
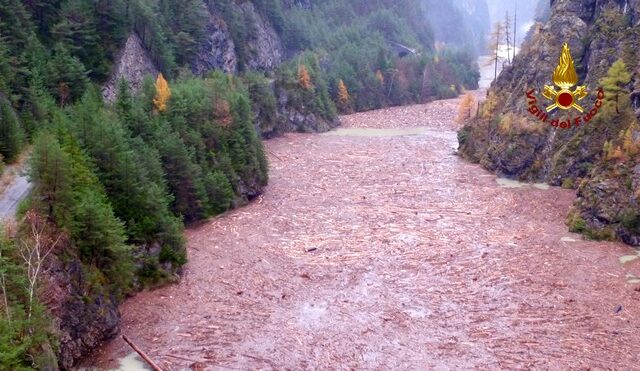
(390, 252)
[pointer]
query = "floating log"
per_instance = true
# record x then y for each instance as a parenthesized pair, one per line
(142, 354)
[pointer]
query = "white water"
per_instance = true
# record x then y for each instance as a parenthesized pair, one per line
(132, 363)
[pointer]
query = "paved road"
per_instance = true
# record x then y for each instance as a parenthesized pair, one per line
(14, 193)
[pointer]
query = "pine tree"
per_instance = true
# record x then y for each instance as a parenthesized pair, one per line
(51, 174)
(246, 150)
(68, 76)
(139, 202)
(6, 70)
(184, 178)
(163, 93)
(303, 77)
(11, 133)
(100, 237)
(614, 85)
(343, 95)
(124, 103)
(219, 191)
(76, 30)
(629, 143)
(44, 13)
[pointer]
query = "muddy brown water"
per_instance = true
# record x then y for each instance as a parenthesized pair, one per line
(384, 250)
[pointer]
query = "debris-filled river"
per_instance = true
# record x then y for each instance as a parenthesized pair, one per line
(382, 249)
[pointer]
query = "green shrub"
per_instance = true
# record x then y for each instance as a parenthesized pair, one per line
(567, 183)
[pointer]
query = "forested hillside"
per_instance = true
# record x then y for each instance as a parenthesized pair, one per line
(115, 180)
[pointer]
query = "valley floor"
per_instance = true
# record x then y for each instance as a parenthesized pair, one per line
(377, 250)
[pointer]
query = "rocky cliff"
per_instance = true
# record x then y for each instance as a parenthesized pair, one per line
(82, 320)
(132, 63)
(264, 48)
(506, 138)
(217, 50)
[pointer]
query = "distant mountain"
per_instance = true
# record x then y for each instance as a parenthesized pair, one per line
(459, 24)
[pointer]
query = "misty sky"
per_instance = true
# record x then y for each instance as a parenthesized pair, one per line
(526, 10)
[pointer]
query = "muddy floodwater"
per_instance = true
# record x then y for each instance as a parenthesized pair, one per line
(377, 247)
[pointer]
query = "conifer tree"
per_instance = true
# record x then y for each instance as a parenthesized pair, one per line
(68, 76)
(163, 93)
(629, 143)
(343, 95)
(11, 133)
(303, 77)
(51, 174)
(184, 177)
(614, 85)
(124, 103)
(76, 30)
(219, 191)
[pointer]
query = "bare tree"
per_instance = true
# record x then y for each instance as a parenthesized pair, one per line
(494, 46)
(507, 35)
(34, 250)
(515, 29)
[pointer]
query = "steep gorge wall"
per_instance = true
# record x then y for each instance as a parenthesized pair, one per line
(505, 138)
(217, 50)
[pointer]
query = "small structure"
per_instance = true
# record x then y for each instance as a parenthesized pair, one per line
(402, 50)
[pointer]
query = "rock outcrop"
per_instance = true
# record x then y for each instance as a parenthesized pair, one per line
(296, 118)
(264, 46)
(83, 318)
(217, 50)
(509, 140)
(133, 63)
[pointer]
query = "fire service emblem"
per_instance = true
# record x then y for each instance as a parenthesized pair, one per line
(563, 97)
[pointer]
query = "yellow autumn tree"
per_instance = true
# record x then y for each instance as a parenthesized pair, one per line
(380, 77)
(163, 93)
(607, 149)
(303, 77)
(465, 110)
(616, 154)
(629, 144)
(343, 96)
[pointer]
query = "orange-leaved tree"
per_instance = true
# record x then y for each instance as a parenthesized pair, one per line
(343, 96)
(629, 142)
(465, 110)
(163, 93)
(303, 77)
